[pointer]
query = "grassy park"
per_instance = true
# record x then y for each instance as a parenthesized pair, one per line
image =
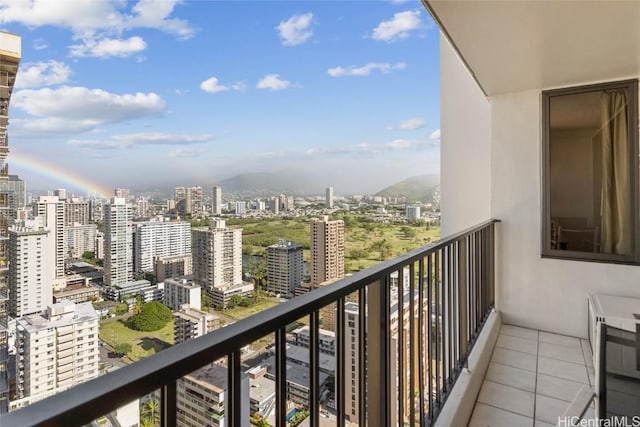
(144, 344)
(366, 242)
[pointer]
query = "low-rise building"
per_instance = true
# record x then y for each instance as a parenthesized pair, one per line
(180, 291)
(128, 290)
(172, 266)
(56, 349)
(262, 393)
(221, 295)
(201, 397)
(191, 323)
(77, 294)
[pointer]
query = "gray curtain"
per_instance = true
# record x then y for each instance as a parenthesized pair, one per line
(616, 177)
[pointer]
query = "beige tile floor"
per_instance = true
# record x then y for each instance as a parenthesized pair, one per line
(532, 378)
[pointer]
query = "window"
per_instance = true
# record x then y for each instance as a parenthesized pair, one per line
(590, 173)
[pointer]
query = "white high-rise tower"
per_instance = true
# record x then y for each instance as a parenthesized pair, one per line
(328, 203)
(118, 242)
(216, 201)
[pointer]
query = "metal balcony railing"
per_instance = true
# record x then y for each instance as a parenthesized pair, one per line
(445, 291)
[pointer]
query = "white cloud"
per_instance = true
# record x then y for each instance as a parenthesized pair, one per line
(98, 19)
(82, 109)
(107, 47)
(409, 124)
(136, 139)
(84, 15)
(365, 70)
(185, 152)
(295, 30)
(212, 85)
(435, 135)
(37, 74)
(155, 14)
(273, 82)
(399, 27)
(50, 127)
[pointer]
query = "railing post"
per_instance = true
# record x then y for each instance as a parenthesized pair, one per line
(463, 300)
(234, 393)
(378, 354)
(363, 347)
(281, 377)
(168, 414)
(340, 371)
(314, 362)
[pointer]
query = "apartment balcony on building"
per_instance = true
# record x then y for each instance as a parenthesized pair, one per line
(531, 319)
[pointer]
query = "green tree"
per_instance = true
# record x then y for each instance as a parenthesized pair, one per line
(357, 253)
(205, 300)
(151, 411)
(88, 255)
(153, 316)
(121, 309)
(234, 301)
(258, 271)
(137, 308)
(122, 348)
(298, 418)
(147, 422)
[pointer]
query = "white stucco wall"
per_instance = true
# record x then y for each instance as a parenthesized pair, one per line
(547, 294)
(491, 168)
(465, 153)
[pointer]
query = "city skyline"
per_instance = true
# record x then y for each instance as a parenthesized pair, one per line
(191, 93)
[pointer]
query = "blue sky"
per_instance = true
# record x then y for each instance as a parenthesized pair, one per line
(173, 92)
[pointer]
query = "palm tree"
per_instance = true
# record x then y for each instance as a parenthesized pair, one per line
(147, 422)
(137, 308)
(151, 411)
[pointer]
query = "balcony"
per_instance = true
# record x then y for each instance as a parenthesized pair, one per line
(445, 291)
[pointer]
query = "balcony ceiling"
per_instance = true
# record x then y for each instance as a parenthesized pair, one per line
(512, 46)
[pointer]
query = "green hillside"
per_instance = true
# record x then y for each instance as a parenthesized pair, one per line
(417, 188)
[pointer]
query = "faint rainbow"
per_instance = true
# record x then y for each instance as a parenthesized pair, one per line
(57, 173)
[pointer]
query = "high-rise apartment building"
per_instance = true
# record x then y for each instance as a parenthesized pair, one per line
(80, 239)
(172, 266)
(52, 209)
(285, 266)
(274, 205)
(327, 250)
(60, 193)
(30, 268)
(118, 242)
(77, 211)
(57, 349)
(96, 209)
(190, 323)
(142, 207)
(154, 239)
(241, 207)
(413, 212)
(15, 188)
(189, 201)
(328, 202)
(10, 53)
(285, 203)
(122, 193)
(216, 201)
(217, 255)
(352, 351)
